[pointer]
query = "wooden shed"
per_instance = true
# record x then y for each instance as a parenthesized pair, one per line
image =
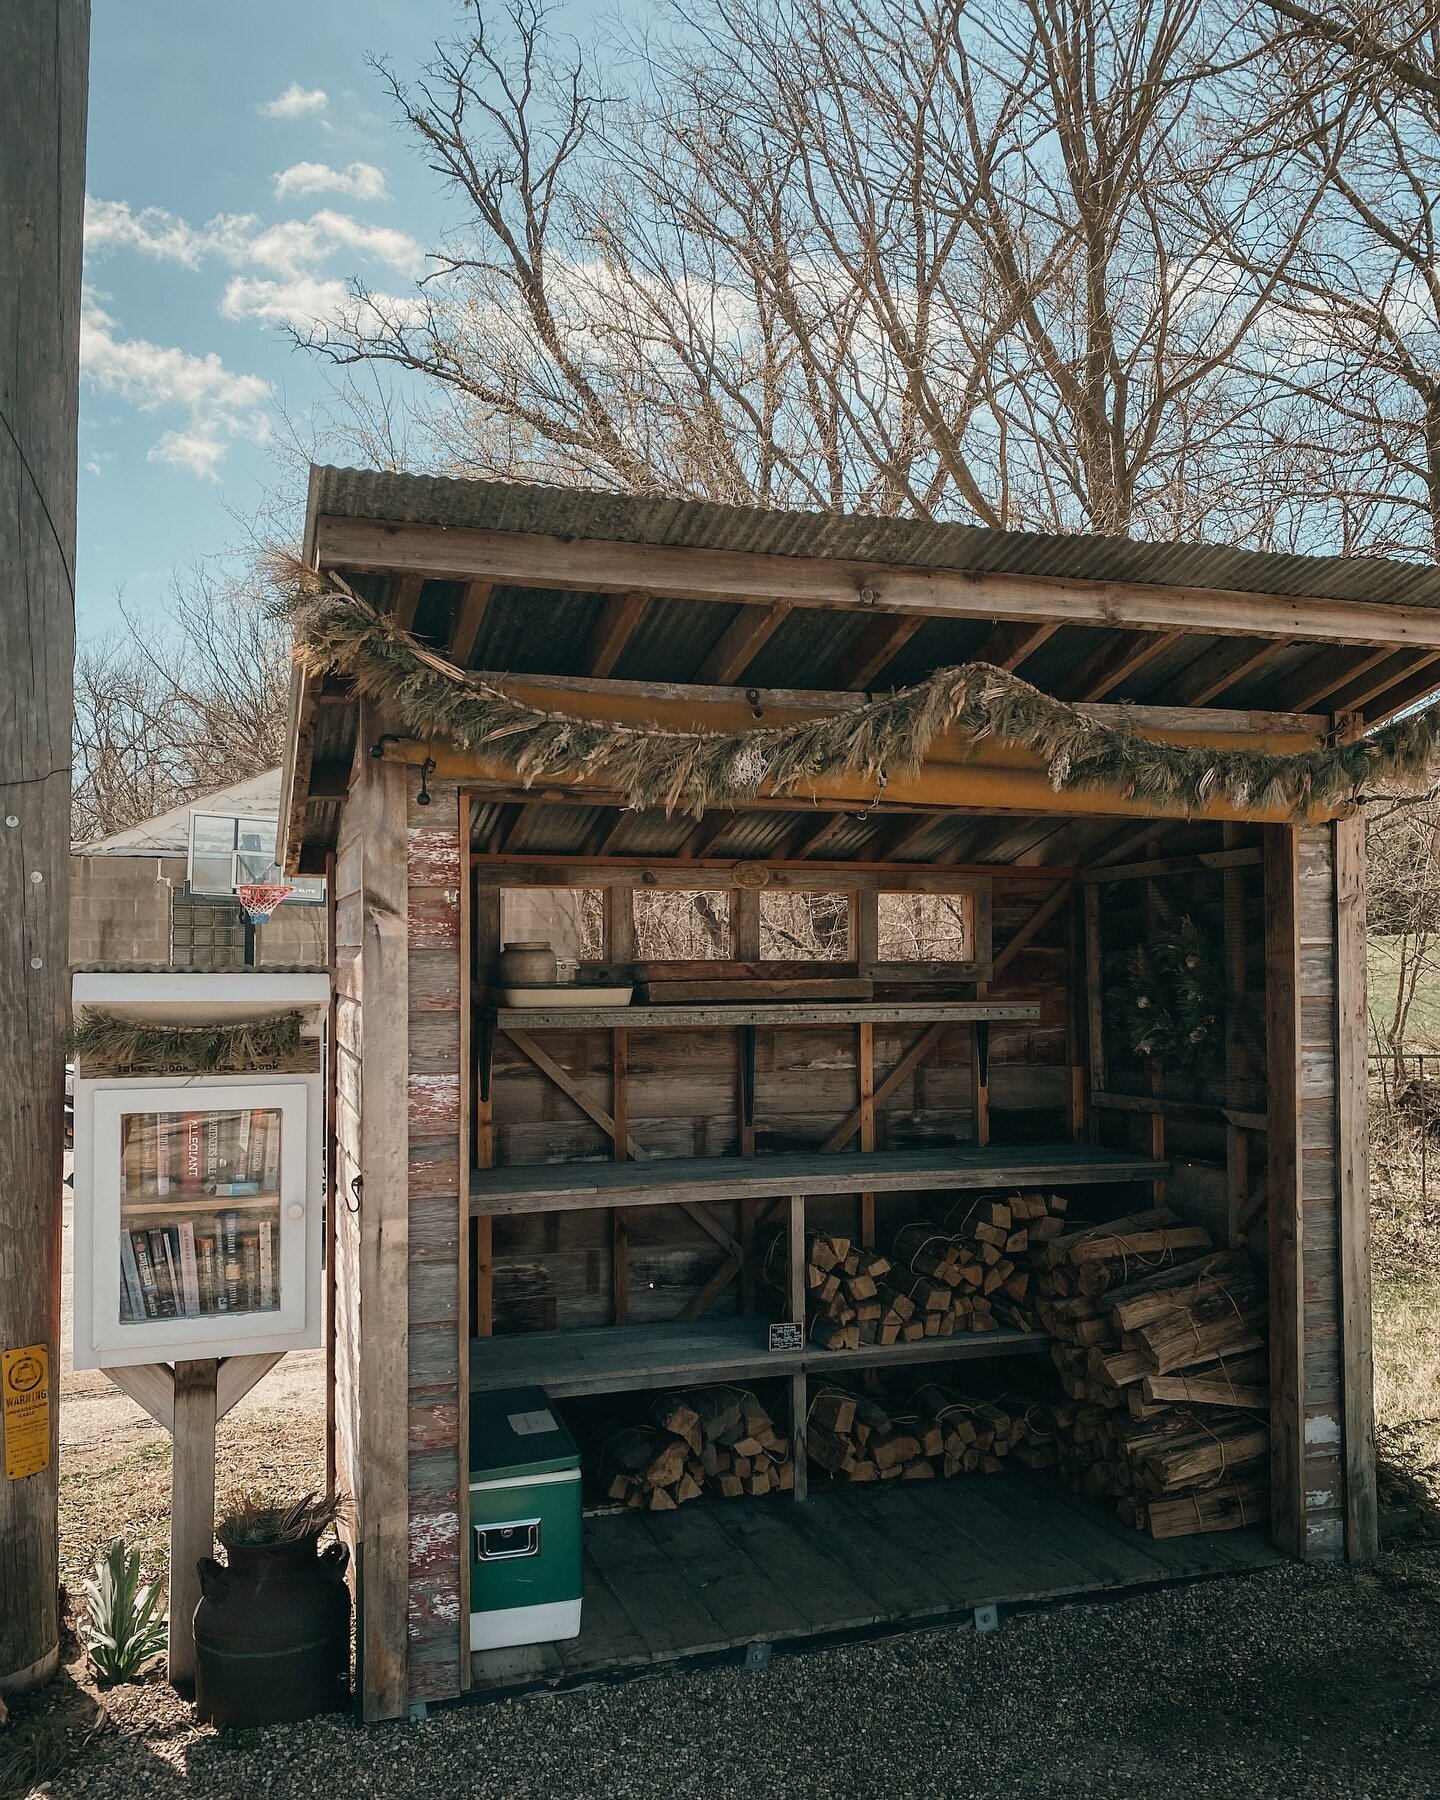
(612, 1202)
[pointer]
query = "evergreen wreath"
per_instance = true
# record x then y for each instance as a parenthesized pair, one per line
(688, 771)
(1171, 1005)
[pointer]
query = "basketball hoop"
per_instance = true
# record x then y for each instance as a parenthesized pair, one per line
(258, 899)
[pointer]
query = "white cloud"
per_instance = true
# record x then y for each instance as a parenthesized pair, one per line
(294, 247)
(291, 249)
(300, 301)
(309, 300)
(295, 103)
(357, 180)
(220, 404)
(196, 451)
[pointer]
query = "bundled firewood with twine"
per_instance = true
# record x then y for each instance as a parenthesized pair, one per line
(934, 1432)
(716, 1439)
(845, 1306)
(1160, 1346)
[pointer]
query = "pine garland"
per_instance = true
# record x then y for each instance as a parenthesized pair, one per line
(887, 737)
(101, 1040)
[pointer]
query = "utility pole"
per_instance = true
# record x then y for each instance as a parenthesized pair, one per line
(44, 45)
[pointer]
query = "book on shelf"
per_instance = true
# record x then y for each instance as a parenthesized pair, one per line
(230, 1255)
(162, 1153)
(192, 1138)
(270, 1169)
(189, 1270)
(250, 1269)
(230, 1190)
(145, 1273)
(207, 1266)
(165, 1291)
(267, 1265)
(132, 1294)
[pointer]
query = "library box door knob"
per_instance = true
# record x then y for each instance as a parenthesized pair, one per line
(295, 1210)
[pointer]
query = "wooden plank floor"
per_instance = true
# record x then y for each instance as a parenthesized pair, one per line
(716, 1576)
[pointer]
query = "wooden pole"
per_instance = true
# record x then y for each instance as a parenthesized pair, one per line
(192, 1506)
(43, 50)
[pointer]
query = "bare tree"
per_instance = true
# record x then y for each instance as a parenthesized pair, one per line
(905, 257)
(162, 716)
(1351, 345)
(1403, 854)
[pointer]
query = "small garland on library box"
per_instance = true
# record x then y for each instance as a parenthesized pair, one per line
(101, 1040)
(884, 737)
(1171, 1005)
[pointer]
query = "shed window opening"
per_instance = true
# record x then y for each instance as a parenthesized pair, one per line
(570, 920)
(679, 926)
(927, 928)
(804, 927)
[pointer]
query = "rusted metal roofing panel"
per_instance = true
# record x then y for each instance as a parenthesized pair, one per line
(915, 543)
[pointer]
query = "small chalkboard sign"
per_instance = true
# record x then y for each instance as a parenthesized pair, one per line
(785, 1335)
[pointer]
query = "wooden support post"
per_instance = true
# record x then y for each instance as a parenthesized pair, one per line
(1154, 1123)
(43, 53)
(1352, 1094)
(484, 955)
(1094, 997)
(799, 1410)
(463, 1239)
(619, 1218)
(192, 1506)
(1078, 1101)
(865, 1071)
(980, 1071)
(1237, 1095)
(795, 1261)
(745, 924)
(331, 1221)
(1287, 1269)
(619, 919)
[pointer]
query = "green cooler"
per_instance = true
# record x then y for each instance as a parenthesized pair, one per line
(525, 1563)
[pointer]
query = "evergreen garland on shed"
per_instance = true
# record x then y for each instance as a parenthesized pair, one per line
(884, 738)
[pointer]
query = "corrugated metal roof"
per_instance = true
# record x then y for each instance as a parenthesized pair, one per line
(915, 543)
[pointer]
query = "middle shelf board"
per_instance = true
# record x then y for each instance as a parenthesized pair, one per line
(613, 1359)
(660, 1018)
(574, 1187)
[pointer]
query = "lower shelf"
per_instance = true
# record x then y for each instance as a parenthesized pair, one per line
(613, 1359)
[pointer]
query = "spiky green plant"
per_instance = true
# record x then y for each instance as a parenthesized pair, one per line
(253, 1516)
(126, 1627)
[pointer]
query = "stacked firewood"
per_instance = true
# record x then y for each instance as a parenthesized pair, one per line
(848, 1296)
(717, 1439)
(1160, 1347)
(935, 1431)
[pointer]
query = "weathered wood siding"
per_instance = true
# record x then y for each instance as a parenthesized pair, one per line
(1322, 1476)
(436, 1566)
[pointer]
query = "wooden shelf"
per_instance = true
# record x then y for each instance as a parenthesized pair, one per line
(660, 1018)
(179, 1204)
(575, 1187)
(613, 1359)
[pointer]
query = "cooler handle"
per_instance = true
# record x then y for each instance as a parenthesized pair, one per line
(506, 1541)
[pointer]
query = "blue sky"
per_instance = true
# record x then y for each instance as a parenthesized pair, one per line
(240, 159)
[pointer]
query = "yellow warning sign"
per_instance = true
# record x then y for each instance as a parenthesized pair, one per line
(25, 1391)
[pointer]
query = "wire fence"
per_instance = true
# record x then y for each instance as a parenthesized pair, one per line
(1403, 1089)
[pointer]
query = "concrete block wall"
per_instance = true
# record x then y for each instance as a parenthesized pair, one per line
(120, 913)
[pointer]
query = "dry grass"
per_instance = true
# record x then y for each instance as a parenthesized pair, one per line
(1406, 1253)
(102, 1494)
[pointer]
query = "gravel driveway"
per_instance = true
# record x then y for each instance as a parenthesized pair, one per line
(1310, 1682)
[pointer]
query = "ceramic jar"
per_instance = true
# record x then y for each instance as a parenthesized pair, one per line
(528, 964)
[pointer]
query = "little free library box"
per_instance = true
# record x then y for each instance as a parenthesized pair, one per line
(946, 942)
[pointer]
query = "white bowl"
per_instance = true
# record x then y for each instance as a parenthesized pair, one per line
(570, 994)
